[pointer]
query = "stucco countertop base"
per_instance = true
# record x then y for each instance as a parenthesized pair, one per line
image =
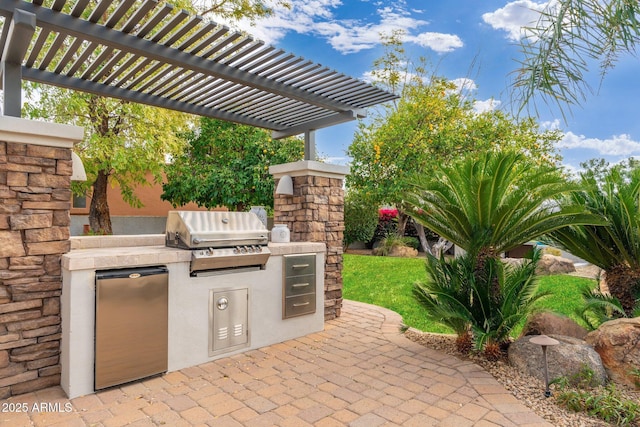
(191, 322)
(101, 252)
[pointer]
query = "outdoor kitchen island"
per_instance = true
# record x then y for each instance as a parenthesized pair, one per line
(190, 301)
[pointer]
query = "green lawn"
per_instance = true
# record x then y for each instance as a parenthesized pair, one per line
(388, 282)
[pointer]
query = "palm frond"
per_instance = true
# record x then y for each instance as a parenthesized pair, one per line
(598, 308)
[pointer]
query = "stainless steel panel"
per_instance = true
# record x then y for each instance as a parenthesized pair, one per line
(214, 258)
(299, 285)
(228, 320)
(300, 305)
(131, 340)
(299, 265)
(204, 229)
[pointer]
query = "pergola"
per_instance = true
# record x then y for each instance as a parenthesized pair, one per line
(151, 53)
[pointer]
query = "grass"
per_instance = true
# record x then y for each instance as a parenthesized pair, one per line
(388, 282)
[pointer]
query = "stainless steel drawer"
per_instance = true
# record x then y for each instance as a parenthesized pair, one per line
(299, 305)
(299, 285)
(299, 265)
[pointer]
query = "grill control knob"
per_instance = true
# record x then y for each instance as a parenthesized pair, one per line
(209, 252)
(243, 250)
(258, 249)
(236, 250)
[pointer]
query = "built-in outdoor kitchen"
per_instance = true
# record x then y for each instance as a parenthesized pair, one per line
(66, 303)
(228, 290)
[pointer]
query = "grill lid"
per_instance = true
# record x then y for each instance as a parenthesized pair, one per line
(205, 229)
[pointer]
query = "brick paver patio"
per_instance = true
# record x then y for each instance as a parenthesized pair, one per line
(360, 371)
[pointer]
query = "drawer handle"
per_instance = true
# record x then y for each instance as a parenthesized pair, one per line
(302, 304)
(300, 285)
(300, 265)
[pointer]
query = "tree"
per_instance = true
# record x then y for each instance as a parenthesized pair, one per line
(432, 123)
(360, 219)
(614, 246)
(568, 38)
(226, 164)
(123, 141)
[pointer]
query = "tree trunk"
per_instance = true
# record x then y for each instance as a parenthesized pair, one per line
(483, 258)
(403, 218)
(624, 284)
(423, 239)
(99, 217)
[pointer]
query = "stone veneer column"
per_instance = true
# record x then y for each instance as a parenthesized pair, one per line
(315, 213)
(35, 200)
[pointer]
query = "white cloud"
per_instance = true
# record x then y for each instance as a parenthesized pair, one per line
(514, 16)
(439, 42)
(617, 145)
(317, 18)
(486, 105)
(464, 84)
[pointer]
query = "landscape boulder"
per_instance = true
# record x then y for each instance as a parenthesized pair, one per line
(618, 344)
(547, 323)
(397, 251)
(567, 359)
(551, 264)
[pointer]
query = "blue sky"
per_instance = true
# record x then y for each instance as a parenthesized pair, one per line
(469, 39)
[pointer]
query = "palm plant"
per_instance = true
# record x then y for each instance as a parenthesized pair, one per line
(493, 204)
(453, 295)
(598, 308)
(614, 247)
(488, 206)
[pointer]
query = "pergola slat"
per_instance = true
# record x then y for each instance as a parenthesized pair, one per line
(144, 51)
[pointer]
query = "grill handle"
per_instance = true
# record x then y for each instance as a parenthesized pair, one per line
(233, 239)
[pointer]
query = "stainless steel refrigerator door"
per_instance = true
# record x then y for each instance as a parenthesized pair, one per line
(131, 325)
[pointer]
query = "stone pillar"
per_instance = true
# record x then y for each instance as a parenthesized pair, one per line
(315, 213)
(35, 200)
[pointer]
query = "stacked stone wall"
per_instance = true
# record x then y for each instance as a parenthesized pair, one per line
(35, 200)
(315, 213)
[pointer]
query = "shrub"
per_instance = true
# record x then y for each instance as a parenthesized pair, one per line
(605, 403)
(388, 243)
(548, 250)
(360, 220)
(411, 242)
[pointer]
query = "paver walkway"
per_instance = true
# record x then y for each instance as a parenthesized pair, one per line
(360, 371)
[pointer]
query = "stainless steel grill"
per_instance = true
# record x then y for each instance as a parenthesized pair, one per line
(219, 241)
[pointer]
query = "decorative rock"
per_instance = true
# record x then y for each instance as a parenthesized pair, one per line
(547, 323)
(551, 264)
(568, 358)
(403, 251)
(618, 344)
(396, 251)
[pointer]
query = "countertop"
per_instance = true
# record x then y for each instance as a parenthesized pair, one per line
(101, 252)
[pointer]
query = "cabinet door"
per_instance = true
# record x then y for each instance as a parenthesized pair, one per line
(229, 319)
